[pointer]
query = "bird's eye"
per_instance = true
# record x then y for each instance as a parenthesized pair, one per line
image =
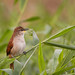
(22, 29)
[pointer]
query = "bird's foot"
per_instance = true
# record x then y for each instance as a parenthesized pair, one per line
(24, 52)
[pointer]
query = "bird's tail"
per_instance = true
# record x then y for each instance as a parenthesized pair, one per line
(12, 65)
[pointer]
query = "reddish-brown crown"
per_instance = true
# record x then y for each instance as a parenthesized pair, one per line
(18, 29)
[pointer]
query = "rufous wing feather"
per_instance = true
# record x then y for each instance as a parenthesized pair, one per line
(9, 47)
(8, 51)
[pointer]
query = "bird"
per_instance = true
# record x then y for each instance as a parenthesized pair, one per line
(16, 44)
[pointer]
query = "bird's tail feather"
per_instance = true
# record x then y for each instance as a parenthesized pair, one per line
(12, 65)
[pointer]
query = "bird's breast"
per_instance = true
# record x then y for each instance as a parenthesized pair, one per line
(18, 46)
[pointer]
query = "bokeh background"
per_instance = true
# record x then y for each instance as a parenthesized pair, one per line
(54, 15)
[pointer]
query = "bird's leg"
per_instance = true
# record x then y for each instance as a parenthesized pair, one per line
(24, 52)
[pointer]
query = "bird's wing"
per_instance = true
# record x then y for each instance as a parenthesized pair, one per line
(9, 47)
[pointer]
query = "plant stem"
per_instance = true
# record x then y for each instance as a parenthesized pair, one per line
(59, 45)
(52, 44)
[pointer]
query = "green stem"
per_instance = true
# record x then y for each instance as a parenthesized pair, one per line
(59, 45)
(52, 44)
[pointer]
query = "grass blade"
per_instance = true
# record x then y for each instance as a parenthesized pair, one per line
(63, 70)
(41, 60)
(35, 18)
(17, 67)
(61, 56)
(6, 62)
(67, 58)
(64, 62)
(22, 2)
(8, 71)
(32, 19)
(60, 33)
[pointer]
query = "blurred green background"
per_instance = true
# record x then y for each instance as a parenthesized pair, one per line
(54, 15)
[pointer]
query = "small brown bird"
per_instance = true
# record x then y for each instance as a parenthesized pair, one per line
(16, 44)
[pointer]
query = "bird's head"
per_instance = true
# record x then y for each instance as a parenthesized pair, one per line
(20, 30)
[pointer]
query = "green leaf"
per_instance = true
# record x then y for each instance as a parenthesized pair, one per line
(41, 61)
(53, 62)
(60, 33)
(73, 61)
(27, 61)
(17, 67)
(1, 59)
(32, 19)
(35, 18)
(8, 71)
(60, 56)
(35, 38)
(16, 1)
(22, 2)
(65, 61)
(6, 62)
(63, 70)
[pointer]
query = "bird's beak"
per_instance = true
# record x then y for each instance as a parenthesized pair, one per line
(26, 29)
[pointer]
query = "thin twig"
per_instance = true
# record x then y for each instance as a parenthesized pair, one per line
(52, 44)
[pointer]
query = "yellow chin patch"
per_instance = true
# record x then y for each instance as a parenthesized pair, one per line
(24, 31)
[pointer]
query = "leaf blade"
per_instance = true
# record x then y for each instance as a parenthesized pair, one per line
(22, 2)
(31, 19)
(60, 33)
(8, 71)
(41, 61)
(6, 61)
(27, 61)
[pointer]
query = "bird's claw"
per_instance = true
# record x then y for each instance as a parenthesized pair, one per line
(24, 52)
